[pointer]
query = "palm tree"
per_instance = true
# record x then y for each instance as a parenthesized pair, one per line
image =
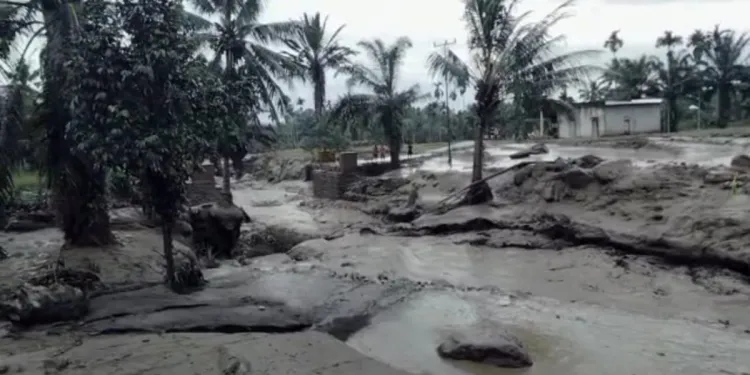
(614, 43)
(632, 78)
(508, 54)
(78, 184)
(240, 38)
(723, 64)
(595, 90)
(316, 51)
(670, 41)
(385, 104)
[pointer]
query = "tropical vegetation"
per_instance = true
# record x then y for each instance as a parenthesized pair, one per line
(140, 92)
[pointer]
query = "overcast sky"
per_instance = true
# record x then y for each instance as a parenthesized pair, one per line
(430, 21)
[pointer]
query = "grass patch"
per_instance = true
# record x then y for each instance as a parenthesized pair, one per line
(27, 180)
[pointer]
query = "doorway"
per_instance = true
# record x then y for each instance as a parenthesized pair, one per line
(595, 127)
(628, 126)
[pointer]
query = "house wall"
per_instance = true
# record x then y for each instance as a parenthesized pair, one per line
(643, 119)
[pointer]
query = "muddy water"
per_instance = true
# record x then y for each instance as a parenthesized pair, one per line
(586, 313)
(697, 153)
(562, 338)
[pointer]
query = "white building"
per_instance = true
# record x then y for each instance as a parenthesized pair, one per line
(605, 118)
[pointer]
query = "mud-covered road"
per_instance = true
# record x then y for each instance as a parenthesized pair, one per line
(598, 269)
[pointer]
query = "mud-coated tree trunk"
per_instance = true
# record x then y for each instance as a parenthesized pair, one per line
(166, 232)
(479, 191)
(226, 175)
(79, 189)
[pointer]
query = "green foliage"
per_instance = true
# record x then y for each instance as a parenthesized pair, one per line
(324, 134)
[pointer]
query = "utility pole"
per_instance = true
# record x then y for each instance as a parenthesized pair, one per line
(445, 46)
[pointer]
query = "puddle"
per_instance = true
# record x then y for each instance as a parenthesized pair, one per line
(561, 338)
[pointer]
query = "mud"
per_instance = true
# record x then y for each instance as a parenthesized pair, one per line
(570, 258)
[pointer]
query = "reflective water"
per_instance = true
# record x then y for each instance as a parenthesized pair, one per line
(562, 339)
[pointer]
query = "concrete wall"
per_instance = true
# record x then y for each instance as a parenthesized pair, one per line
(582, 126)
(642, 119)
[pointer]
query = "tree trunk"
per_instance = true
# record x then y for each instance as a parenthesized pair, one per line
(166, 232)
(226, 175)
(80, 190)
(395, 151)
(319, 92)
(480, 191)
(724, 104)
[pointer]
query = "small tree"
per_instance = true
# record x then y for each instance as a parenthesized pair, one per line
(139, 107)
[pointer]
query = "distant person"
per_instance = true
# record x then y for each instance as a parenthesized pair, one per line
(409, 149)
(381, 152)
(375, 152)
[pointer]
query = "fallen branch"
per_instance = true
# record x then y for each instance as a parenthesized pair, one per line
(445, 205)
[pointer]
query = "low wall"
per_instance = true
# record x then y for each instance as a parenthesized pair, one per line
(331, 184)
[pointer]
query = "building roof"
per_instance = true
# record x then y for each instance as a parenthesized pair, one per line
(644, 101)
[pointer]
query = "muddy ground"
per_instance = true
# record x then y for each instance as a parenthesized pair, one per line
(602, 267)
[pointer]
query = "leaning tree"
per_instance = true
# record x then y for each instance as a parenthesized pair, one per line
(508, 53)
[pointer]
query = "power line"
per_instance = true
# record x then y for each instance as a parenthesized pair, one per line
(446, 93)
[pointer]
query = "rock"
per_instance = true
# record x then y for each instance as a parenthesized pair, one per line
(718, 177)
(313, 249)
(537, 149)
(575, 178)
(216, 227)
(488, 345)
(609, 171)
(588, 161)
(38, 304)
(3, 254)
(741, 162)
(232, 364)
(22, 225)
(554, 191)
(402, 214)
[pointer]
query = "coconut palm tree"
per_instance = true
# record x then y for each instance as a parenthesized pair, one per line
(508, 53)
(384, 105)
(632, 78)
(723, 64)
(317, 51)
(78, 184)
(614, 43)
(595, 90)
(240, 39)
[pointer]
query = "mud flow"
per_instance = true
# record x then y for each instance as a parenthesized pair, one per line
(625, 256)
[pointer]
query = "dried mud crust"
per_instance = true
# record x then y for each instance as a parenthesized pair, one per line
(683, 213)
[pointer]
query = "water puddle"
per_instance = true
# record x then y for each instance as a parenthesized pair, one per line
(561, 338)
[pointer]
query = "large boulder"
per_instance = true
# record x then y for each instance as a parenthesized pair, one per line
(485, 344)
(537, 149)
(34, 304)
(609, 171)
(216, 227)
(575, 178)
(588, 161)
(741, 162)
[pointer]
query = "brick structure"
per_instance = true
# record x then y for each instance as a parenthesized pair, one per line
(331, 183)
(202, 188)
